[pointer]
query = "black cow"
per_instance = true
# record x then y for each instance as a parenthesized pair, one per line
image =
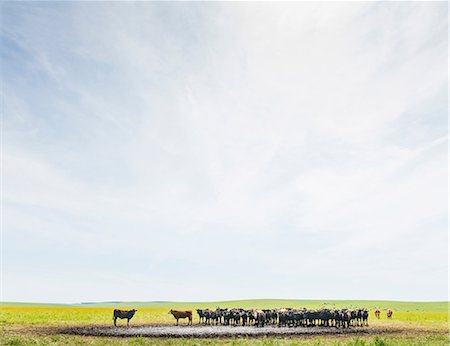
(260, 318)
(365, 317)
(325, 316)
(202, 315)
(128, 314)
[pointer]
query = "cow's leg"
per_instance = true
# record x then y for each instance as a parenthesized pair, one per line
(115, 319)
(177, 321)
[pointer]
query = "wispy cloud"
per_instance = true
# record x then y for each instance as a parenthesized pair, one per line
(227, 143)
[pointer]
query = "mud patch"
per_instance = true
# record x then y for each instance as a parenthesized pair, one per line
(209, 331)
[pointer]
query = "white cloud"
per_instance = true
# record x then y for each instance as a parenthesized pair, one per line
(245, 133)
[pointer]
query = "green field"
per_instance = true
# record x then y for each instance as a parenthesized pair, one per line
(417, 323)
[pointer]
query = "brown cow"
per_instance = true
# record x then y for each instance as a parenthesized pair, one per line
(128, 314)
(182, 314)
(389, 313)
(377, 313)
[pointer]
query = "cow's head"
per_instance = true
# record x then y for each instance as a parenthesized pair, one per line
(170, 311)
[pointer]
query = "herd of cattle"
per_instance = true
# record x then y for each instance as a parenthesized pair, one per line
(339, 318)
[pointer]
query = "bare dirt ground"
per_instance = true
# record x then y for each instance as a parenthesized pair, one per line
(219, 331)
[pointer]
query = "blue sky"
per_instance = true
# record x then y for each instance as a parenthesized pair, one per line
(202, 151)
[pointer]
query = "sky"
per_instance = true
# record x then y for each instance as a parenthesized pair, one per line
(213, 151)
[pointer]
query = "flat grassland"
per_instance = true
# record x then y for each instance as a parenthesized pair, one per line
(41, 324)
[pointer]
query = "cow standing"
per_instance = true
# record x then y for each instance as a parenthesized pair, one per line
(365, 317)
(128, 314)
(260, 318)
(377, 313)
(201, 315)
(182, 314)
(389, 313)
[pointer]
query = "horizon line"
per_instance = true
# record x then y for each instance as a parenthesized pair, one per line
(220, 301)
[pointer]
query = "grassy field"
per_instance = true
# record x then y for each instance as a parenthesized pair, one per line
(28, 324)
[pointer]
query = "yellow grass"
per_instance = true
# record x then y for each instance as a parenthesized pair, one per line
(20, 325)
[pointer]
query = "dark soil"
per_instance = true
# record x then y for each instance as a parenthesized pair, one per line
(211, 331)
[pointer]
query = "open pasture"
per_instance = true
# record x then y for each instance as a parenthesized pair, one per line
(412, 324)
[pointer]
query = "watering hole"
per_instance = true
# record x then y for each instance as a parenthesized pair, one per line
(203, 331)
